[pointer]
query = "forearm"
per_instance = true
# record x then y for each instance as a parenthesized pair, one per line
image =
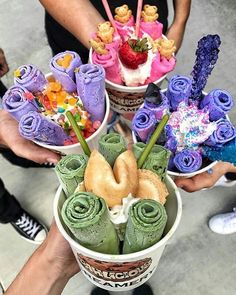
(177, 28)
(79, 17)
(38, 277)
(181, 11)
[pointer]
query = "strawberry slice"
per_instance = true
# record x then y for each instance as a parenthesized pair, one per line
(134, 52)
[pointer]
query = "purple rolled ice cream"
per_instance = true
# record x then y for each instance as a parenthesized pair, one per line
(143, 124)
(225, 132)
(156, 101)
(218, 102)
(90, 80)
(66, 76)
(15, 102)
(31, 78)
(187, 161)
(34, 126)
(179, 90)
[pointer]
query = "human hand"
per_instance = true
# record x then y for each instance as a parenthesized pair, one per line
(57, 252)
(3, 64)
(11, 138)
(205, 179)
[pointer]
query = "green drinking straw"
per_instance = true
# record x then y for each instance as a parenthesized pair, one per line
(79, 135)
(152, 140)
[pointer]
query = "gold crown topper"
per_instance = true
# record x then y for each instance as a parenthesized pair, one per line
(166, 47)
(123, 14)
(98, 46)
(149, 13)
(105, 32)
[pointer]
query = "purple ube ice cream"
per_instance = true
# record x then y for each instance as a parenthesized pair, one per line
(90, 80)
(65, 75)
(225, 132)
(156, 101)
(179, 89)
(30, 77)
(35, 126)
(218, 102)
(144, 123)
(18, 101)
(187, 161)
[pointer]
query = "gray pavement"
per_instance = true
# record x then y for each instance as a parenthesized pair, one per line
(196, 261)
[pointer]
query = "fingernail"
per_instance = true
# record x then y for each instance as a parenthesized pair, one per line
(52, 161)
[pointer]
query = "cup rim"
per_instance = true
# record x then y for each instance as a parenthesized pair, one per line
(90, 138)
(179, 174)
(120, 257)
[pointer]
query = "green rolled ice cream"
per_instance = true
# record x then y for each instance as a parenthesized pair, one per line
(146, 222)
(70, 171)
(111, 145)
(157, 160)
(87, 217)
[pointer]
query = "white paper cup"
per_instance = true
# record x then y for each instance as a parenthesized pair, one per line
(205, 166)
(91, 140)
(122, 272)
(126, 100)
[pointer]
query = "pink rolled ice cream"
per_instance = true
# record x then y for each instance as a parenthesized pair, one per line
(34, 126)
(31, 78)
(110, 63)
(90, 80)
(153, 29)
(125, 30)
(18, 101)
(66, 76)
(159, 67)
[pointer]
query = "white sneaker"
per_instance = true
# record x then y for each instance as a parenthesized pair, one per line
(223, 224)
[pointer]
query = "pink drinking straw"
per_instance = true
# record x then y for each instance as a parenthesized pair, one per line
(109, 15)
(138, 17)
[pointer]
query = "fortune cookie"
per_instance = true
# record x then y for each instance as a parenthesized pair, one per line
(111, 185)
(151, 187)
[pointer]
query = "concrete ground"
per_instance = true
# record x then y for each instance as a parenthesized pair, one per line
(196, 261)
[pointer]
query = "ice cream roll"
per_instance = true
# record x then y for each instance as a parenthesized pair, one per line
(187, 161)
(156, 101)
(218, 103)
(179, 90)
(90, 80)
(159, 67)
(146, 223)
(109, 61)
(111, 145)
(144, 123)
(224, 132)
(157, 160)
(34, 126)
(30, 77)
(63, 67)
(70, 172)
(149, 23)
(88, 220)
(124, 21)
(18, 101)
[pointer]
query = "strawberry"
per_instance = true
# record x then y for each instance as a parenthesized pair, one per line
(133, 52)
